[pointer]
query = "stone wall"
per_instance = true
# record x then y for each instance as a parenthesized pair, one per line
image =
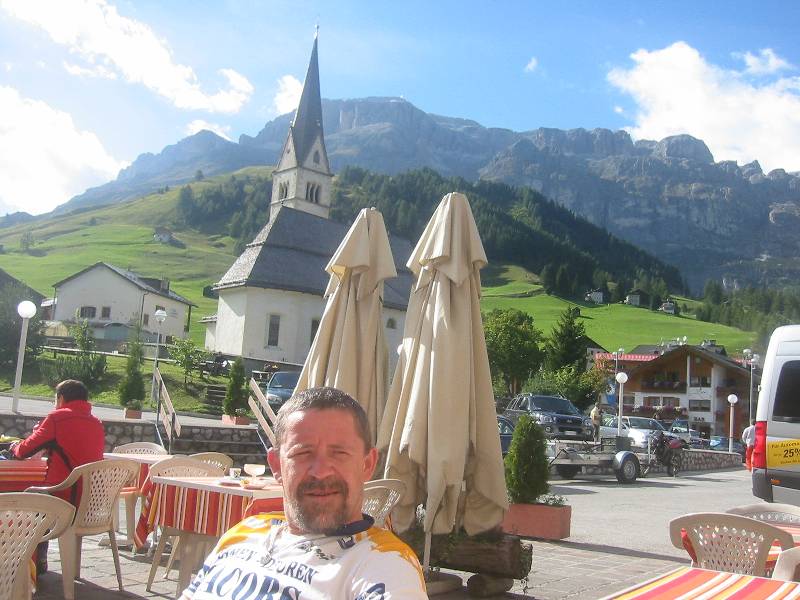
(692, 460)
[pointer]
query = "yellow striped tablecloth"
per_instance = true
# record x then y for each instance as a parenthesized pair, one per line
(691, 583)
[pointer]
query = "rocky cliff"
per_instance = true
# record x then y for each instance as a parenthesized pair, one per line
(712, 219)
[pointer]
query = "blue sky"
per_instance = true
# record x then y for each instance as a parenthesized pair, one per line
(86, 86)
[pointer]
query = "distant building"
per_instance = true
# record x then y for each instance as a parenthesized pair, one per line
(637, 297)
(163, 235)
(667, 307)
(112, 299)
(271, 298)
(595, 296)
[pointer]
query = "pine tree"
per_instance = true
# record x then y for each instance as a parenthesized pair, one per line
(236, 395)
(567, 344)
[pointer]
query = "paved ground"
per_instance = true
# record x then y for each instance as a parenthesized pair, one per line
(619, 537)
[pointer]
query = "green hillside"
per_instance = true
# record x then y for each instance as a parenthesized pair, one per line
(122, 235)
(611, 325)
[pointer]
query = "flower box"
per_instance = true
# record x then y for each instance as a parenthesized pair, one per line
(132, 413)
(235, 420)
(542, 521)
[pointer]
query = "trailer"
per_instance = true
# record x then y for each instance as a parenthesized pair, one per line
(569, 457)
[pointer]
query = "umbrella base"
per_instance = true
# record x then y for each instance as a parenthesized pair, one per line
(441, 583)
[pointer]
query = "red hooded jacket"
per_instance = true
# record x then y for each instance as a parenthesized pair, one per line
(72, 437)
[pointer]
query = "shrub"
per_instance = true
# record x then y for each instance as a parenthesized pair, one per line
(131, 388)
(236, 395)
(526, 463)
(88, 369)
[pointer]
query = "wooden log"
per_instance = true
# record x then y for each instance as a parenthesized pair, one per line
(496, 554)
(482, 586)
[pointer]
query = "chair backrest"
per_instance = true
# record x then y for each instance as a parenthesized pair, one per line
(101, 483)
(731, 543)
(184, 466)
(223, 461)
(380, 497)
(26, 520)
(782, 514)
(140, 448)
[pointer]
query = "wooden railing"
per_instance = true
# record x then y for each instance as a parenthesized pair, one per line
(262, 410)
(165, 412)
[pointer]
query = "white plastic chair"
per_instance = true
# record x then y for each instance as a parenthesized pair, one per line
(100, 484)
(731, 543)
(218, 459)
(786, 566)
(25, 521)
(179, 466)
(131, 493)
(780, 514)
(380, 498)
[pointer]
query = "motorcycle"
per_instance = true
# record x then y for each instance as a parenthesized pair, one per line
(664, 450)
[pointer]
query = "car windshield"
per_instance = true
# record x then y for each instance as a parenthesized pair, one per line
(284, 379)
(553, 404)
(680, 426)
(643, 423)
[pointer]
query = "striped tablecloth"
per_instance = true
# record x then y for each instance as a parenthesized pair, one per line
(690, 583)
(17, 475)
(200, 505)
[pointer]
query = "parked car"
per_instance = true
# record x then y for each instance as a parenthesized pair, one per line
(280, 387)
(636, 428)
(558, 416)
(681, 429)
(506, 429)
(721, 444)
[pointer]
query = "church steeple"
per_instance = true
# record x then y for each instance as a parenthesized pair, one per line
(302, 178)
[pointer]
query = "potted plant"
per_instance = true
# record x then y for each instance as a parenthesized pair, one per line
(235, 397)
(133, 410)
(131, 388)
(532, 511)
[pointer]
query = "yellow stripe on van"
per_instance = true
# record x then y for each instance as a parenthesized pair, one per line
(783, 453)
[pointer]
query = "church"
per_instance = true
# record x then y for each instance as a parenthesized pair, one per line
(271, 298)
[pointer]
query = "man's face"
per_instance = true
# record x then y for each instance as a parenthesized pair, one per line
(322, 465)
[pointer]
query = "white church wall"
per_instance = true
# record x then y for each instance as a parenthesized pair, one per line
(229, 330)
(394, 336)
(211, 335)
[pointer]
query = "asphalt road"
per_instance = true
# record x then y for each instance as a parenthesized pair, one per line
(636, 516)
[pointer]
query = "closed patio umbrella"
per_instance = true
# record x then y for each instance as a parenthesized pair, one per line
(349, 349)
(439, 426)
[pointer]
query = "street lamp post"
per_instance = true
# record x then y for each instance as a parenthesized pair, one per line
(752, 360)
(25, 309)
(732, 400)
(621, 378)
(617, 354)
(161, 316)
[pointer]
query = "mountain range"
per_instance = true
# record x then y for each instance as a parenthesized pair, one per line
(714, 220)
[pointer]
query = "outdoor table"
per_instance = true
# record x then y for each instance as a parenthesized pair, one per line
(201, 509)
(18, 475)
(692, 583)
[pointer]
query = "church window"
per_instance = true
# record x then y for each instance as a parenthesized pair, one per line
(316, 194)
(316, 157)
(308, 192)
(283, 190)
(314, 328)
(391, 323)
(273, 330)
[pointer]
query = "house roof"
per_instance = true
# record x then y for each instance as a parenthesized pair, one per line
(6, 279)
(291, 252)
(139, 281)
(701, 351)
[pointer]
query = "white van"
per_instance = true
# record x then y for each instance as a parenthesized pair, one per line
(776, 456)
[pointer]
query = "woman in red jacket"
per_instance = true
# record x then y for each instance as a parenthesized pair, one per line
(71, 435)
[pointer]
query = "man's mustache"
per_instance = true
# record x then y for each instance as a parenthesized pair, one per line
(324, 486)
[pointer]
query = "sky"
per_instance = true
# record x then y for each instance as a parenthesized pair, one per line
(88, 85)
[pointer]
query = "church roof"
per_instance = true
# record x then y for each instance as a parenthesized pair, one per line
(307, 123)
(291, 252)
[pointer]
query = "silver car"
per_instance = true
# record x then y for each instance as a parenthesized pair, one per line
(636, 428)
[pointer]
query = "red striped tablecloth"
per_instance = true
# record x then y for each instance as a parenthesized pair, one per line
(17, 475)
(690, 583)
(198, 505)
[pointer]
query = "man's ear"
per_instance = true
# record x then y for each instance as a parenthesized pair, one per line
(370, 460)
(274, 460)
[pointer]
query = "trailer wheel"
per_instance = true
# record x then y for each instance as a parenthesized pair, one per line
(568, 471)
(628, 470)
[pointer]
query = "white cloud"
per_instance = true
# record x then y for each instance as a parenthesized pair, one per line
(532, 65)
(677, 91)
(288, 96)
(200, 125)
(94, 31)
(95, 71)
(619, 110)
(44, 158)
(765, 63)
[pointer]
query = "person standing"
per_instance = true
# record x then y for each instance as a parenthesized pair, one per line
(749, 441)
(597, 419)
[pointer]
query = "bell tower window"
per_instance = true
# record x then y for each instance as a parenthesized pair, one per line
(283, 190)
(316, 157)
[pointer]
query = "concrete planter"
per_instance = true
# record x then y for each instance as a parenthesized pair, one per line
(235, 420)
(538, 521)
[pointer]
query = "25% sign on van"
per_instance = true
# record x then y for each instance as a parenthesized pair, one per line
(785, 452)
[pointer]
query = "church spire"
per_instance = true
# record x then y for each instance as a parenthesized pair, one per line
(302, 179)
(307, 123)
